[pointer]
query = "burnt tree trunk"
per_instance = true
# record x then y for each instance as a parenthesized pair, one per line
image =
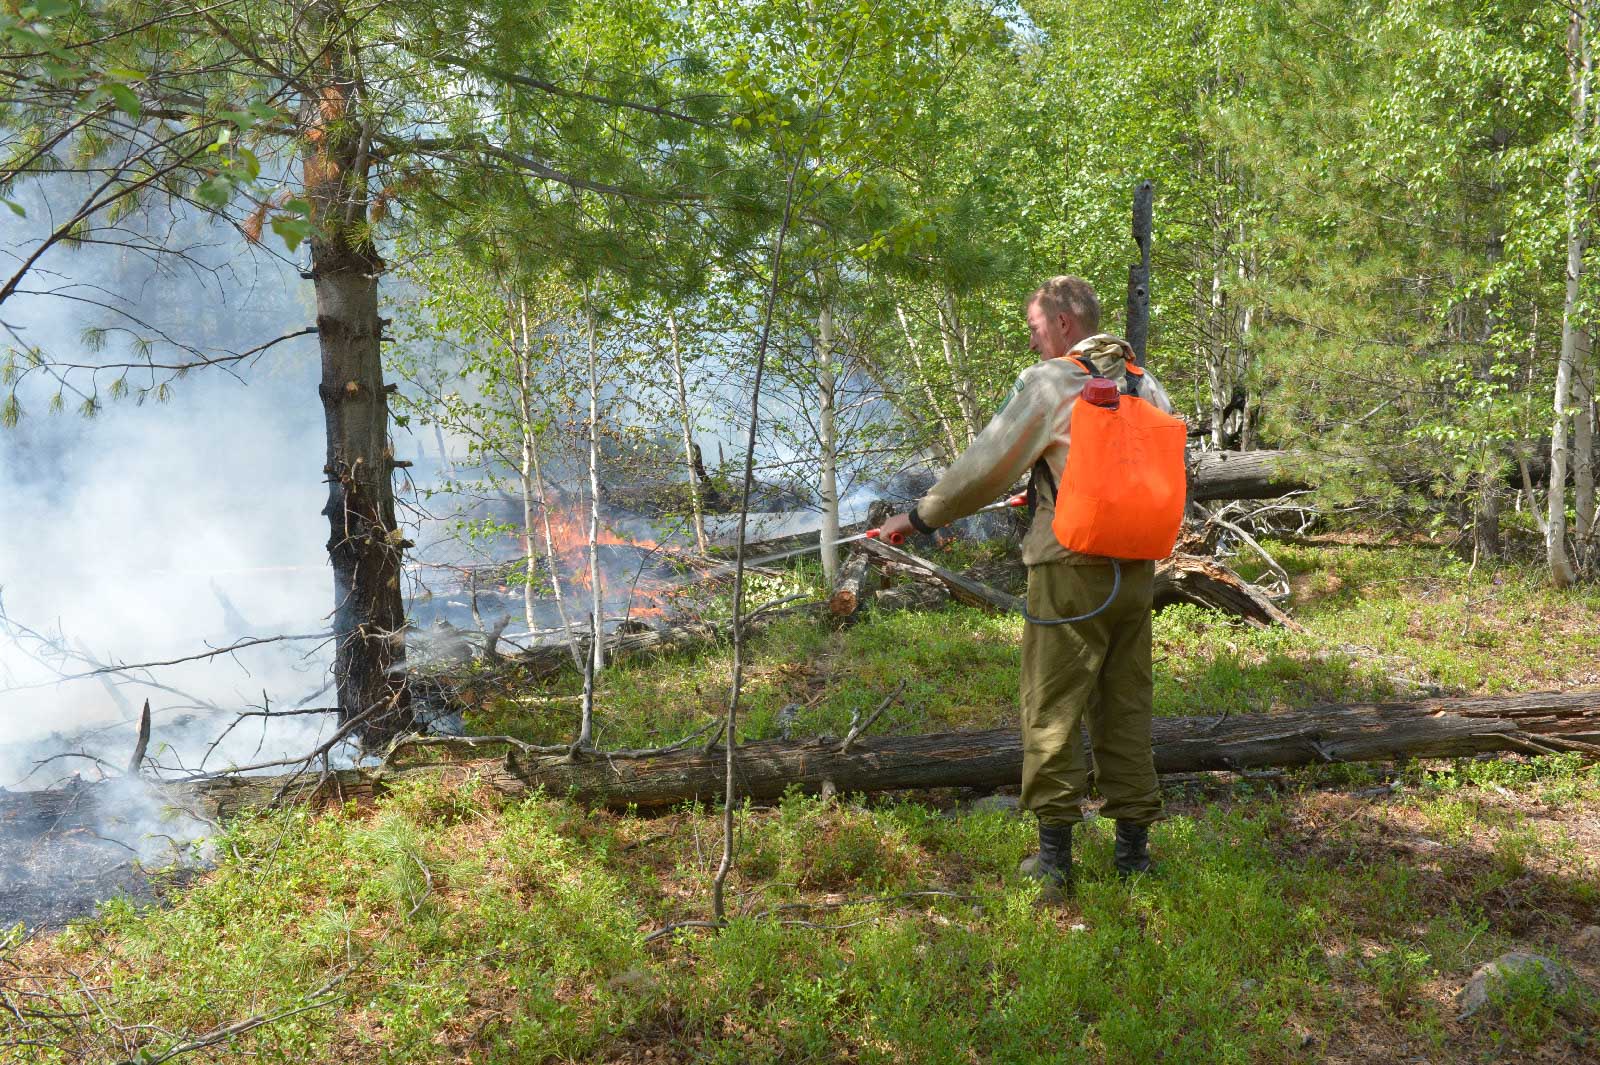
(1138, 331)
(364, 543)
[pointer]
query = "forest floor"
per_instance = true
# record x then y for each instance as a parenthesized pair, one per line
(1329, 914)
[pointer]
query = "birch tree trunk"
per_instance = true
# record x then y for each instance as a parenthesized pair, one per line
(952, 442)
(1217, 354)
(553, 561)
(365, 547)
(597, 660)
(525, 466)
(686, 417)
(1583, 434)
(1245, 317)
(949, 328)
(533, 493)
(1580, 66)
(827, 432)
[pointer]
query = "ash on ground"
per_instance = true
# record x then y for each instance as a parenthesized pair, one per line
(60, 861)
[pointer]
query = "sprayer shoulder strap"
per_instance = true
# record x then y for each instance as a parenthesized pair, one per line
(1040, 477)
(1133, 379)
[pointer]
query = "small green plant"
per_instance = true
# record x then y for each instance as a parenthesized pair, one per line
(1397, 972)
(1526, 1006)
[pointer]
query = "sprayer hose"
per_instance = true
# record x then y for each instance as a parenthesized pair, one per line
(1116, 585)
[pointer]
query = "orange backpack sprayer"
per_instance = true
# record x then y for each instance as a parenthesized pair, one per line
(1122, 493)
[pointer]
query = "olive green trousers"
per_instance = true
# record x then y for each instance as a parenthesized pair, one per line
(1098, 672)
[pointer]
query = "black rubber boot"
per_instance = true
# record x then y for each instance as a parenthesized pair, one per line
(1132, 853)
(1053, 863)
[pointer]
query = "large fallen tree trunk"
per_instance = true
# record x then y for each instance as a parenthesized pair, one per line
(1246, 474)
(1431, 728)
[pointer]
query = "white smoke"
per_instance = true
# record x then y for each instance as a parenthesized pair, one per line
(155, 530)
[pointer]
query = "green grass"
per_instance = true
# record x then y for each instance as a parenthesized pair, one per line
(1291, 923)
(1369, 617)
(514, 933)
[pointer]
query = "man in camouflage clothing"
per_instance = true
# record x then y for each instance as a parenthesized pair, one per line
(1098, 670)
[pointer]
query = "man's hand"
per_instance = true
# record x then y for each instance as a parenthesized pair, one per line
(898, 523)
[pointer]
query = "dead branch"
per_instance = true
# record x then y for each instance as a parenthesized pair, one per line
(858, 726)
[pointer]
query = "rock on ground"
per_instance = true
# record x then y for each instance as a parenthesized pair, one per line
(1475, 995)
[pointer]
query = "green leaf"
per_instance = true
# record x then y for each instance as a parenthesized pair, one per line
(292, 230)
(246, 161)
(215, 191)
(126, 99)
(16, 208)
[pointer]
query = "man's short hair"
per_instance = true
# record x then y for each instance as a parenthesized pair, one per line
(1070, 295)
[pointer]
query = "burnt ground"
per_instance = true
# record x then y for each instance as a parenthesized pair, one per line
(48, 879)
(63, 853)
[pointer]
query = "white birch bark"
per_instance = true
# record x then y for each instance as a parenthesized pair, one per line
(525, 464)
(533, 493)
(597, 643)
(827, 432)
(686, 418)
(1583, 434)
(1580, 66)
(952, 442)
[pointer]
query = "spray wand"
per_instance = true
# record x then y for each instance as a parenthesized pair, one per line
(1018, 500)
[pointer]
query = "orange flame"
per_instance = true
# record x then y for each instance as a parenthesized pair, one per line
(647, 592)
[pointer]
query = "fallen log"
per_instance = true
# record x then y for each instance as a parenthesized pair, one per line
(548, 659)
(1206, 582)
(857, 582)
(963, 589)
(1246, 474)
(1537, 723)
(911, 595)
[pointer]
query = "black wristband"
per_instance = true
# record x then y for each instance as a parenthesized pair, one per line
(918, 524)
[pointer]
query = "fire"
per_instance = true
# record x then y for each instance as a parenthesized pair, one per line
(628, 576)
